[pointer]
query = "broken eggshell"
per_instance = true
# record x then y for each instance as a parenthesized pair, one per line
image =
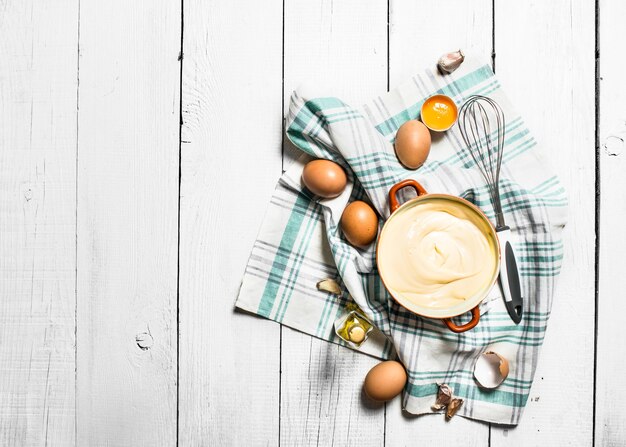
(490, 370)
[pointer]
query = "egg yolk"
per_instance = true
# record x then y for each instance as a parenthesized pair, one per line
(439, 112)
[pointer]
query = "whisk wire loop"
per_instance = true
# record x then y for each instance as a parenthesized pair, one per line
(482, 126)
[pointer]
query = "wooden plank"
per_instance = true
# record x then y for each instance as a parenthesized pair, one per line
(127, 222)
(231, 160)
(340, 48)
(419, 33)
(322, 400)
(38, 44)
(545, 59)
(610, 423)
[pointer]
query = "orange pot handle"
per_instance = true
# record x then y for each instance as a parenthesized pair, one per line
(393, 197)
(464, 327)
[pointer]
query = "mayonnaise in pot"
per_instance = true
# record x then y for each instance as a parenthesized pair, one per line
(437, 253)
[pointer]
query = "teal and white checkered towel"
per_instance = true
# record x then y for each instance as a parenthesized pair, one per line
(300, 242)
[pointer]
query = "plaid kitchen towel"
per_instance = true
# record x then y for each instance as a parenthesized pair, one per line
(300, 242)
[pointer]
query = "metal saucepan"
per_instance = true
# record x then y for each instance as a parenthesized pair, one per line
(471, 303)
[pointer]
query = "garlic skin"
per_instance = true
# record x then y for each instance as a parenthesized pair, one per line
(453, 407)
(444, 396)
(450, 61)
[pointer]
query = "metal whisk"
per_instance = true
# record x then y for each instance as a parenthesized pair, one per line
(482, 126)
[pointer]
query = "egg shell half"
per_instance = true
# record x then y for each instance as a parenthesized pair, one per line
(359, 224)
(385, 381)
(324, 178)
(491, 369)
(412, 144)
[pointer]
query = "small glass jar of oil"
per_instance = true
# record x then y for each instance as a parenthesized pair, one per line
(353, 327)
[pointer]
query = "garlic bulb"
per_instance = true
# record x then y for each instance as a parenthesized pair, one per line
(450, 61)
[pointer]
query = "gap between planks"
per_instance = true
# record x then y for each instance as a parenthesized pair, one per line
(181, 57)
(597, 220)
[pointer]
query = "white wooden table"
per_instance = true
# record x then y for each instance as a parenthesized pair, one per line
(133, 181)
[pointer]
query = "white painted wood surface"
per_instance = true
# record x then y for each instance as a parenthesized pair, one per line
(231, 158)
(611, 361)
(38, 64)
(127, 222)
(149, 270)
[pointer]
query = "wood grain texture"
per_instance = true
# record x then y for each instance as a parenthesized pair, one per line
(611, 362)
(127, 222)
(105, 263)
(38, 45)
(231, 159)
(322, 399)
(419, 33)
(545, 60)
(339, 48)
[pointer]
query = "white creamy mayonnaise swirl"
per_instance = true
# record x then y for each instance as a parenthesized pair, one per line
(437, 253)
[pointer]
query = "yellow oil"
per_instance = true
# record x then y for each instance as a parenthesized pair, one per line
(352, 320)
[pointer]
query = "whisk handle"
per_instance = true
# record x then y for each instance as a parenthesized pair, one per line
(509, 276)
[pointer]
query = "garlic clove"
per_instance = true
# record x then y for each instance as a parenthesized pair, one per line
(450, 61)
(330, 286)
(490, 370)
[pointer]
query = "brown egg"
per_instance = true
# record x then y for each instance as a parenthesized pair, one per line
(412, 144)
(385, 381)
(359, 224)
(324, 178)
